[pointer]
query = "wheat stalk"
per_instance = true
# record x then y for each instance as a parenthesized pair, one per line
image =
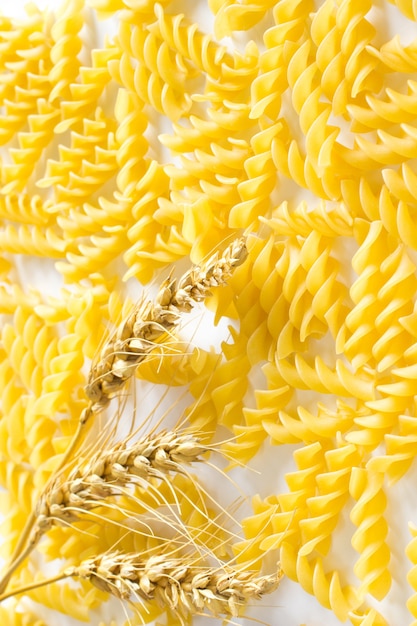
(89, 484)
(174, 583)
(117, 362)
(150, 321)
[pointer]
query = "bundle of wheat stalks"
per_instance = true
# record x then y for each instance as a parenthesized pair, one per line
(132, 482)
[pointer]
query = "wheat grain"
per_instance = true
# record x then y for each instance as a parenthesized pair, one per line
(175, 583)
(150, 321)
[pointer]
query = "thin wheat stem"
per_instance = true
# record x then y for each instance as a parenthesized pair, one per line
(39, 583)
(22, 551)
(18, 556)
(75, 439)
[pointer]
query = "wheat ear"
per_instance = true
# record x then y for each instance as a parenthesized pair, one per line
(89, 484)
(150, 321)
(173, 583)
(184, 588)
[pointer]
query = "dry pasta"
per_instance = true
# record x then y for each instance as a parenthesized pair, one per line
(290, 122)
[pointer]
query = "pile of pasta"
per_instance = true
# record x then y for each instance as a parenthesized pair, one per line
(291, 121)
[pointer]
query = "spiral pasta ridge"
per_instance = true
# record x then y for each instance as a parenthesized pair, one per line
(84, 94)
(326, 586)
(370, 537)
(66, 47)
(347, 67)
(411, 576)
(399, 451)
(232, 16)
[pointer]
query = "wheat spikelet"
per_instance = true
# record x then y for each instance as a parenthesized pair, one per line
(177, 584)
(150, 321)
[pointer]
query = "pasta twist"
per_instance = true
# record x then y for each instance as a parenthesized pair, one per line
(85, 93)
(231, 15)
(65, 598)
(302, 485)
(13, 418)
(366, 487)
(13, 296)
(24, 72)
(400, 451)
(325, 586)
(67, 44)
(148, 236)
(25, 208)
(261, 180)
(32, 145)
(411, 576)
(326, 219)
(395, 56)
(257, 529)
(34, 240)
(302, 267)
(309, 170)
(384, 113)
(389, 149)
(339, 379)
(306, 426)
(392, 203)
(25, 344)
(219, 391)
(201, 49)
(290, 26)
(159, 77)
(325, 507)
(342, 36)
(64, 361)
(203, 197)
(384, 342)
(84, 165)
(23, 103)
(132, 146)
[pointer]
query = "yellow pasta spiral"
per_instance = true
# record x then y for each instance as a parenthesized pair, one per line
(370, 539)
